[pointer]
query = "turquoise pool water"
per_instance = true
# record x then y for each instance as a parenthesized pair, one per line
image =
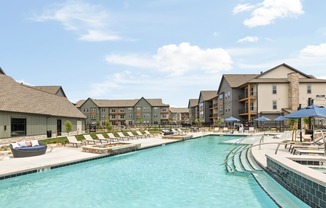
(185, 174)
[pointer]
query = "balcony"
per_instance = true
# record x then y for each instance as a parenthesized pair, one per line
(253, 96)
(246, 111)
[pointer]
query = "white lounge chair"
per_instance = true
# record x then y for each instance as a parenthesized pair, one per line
(131, 135)
(141, 135)
(102, 138)
(149, 134)
(89, 139)
(72, 140)
(112, 137)
(122, 136)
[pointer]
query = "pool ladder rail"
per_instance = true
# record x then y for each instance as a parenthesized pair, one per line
(240, 159)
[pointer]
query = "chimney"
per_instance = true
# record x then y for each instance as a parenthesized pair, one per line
(293, 90)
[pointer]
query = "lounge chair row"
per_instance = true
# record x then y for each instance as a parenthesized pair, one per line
(111, 138)
(315, 147)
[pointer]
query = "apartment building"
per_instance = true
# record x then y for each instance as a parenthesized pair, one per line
(275, 92)
(125, 112)
(193, 110)
(179, 115)
(205, 106)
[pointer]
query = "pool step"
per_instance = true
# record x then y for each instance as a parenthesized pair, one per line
(240, 159)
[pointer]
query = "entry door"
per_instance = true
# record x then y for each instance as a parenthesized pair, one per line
(59, 127)
(79, 127)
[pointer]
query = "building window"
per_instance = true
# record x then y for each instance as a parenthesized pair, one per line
(103, 109)
(113, 110)
(252, 106)
(112, 116)
(122, 116)
(252, 91)
(93, 117)
(274, 90)
(122, 110)
(130, 116)
(103, 117)
(308, 89)
(274, 105)
(155, 108)
(130, 109)
(18, 127)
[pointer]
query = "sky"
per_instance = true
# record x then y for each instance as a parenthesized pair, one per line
(168, 49)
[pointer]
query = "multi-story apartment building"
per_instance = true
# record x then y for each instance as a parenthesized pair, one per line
(179, 115)
(275, 92)
(205, 106)
(193, 110)
(125, 112)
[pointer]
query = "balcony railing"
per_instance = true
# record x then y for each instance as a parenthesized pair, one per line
(244, 111)
(252, 95)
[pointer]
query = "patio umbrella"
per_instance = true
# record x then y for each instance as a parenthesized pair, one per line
(310, 111)
(262, 118)
(280, 118)
(231, 119)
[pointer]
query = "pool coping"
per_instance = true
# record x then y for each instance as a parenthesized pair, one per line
(90, 157)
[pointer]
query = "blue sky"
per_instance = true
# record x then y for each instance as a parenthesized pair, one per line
(169, 49)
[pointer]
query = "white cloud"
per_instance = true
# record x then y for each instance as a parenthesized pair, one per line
(179, 59)
(89, 21)
(132, 60)
(98, 36)
(314, 51)
(250, 39)
(173, 90)
(268, 11)
(242, 8)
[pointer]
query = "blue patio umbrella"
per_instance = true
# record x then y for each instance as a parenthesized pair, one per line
(280, 118)
(231, 119)
(262, 118)
(310, 111)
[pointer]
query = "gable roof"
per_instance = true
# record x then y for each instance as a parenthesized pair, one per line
(79, 103)
(236, 80)
(102, 103)
(51, 89)
(15, 97)
(192, 103)
(208, 94)
(287, 66)
(179, 110)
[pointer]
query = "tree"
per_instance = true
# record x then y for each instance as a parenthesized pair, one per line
(293, 123)
(68, 126)
(108, 124)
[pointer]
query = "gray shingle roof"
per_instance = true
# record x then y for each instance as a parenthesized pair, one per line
(208, 94)
(15, 97)
(236, 80)
(101, 103)
(193, 102)
(49, 89)
(179, 110)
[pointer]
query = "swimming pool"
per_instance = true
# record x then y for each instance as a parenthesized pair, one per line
(185, 174)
